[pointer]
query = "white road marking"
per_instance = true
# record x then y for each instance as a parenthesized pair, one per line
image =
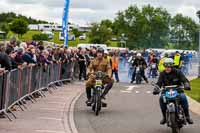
(148, 92)
(52, 109)
(137, 92)
(56, 103)
(49, 118)
(126, 91)
(130, 88)
(49, 131)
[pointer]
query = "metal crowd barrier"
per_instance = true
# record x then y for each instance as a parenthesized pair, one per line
(17, 86)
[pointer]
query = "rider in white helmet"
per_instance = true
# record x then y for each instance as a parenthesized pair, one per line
(139, 61)
(172, 76)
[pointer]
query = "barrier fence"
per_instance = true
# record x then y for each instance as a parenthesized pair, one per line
(19, 85)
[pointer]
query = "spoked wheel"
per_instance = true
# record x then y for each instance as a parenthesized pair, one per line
(98, 104)
(174, 126)
(138, 79)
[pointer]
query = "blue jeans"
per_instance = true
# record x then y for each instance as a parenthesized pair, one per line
(116, 74)
(183, 101)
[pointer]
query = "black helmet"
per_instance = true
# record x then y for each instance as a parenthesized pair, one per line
(100, 50)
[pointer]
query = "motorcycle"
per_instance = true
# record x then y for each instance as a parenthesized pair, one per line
(97, 92)
(175, 114)
(138, 75)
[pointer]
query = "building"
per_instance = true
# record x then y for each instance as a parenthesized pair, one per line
(57, 27)
(33, 27)
(84, 28)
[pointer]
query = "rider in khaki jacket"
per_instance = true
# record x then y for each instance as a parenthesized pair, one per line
(99, 64)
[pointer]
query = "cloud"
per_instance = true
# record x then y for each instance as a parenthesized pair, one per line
(91, 10)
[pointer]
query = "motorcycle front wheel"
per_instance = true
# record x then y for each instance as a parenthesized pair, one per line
(98, 104)
(174, 124)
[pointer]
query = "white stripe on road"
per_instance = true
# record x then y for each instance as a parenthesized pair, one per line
(52, 109)
(49, 131)
(148, 92)
(126, 91)
(49, 118)
(130, 88)
(137, 92)
(56, 103)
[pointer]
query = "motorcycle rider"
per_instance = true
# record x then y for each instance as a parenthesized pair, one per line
(99, 64)
(139, 61)
(172, 76)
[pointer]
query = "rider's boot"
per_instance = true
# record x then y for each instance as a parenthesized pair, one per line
(147, 81)
(164, 120)
(103, 104)
(106, 90)
(89, 97)
(188, 118)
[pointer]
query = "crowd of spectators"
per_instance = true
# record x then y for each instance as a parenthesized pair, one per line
(18, 56)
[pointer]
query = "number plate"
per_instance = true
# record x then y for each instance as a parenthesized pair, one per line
(99, 82)
(153, 66)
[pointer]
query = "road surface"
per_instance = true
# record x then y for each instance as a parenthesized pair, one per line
(130, 110)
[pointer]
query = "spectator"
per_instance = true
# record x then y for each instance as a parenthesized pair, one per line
(82, 65)
(115, 67)
(11, 46)
(30, 56)
(5, 61)
(12, 55)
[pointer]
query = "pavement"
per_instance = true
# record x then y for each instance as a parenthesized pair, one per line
(131, 109)
(47, 115)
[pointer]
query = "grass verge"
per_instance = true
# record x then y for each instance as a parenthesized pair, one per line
(195, 93)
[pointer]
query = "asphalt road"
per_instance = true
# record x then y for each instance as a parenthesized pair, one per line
(130, 110)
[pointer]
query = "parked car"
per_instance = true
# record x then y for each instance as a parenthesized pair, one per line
(83, 37)
(49, 33)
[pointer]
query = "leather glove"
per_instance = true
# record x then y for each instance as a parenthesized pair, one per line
(156, 91)
(187, 86)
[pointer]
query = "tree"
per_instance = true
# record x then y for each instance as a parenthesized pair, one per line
(100, 34)
(19, 26)
(184, 32)
(4, 27)
(146, 27)
(76, 32)
(107, 23)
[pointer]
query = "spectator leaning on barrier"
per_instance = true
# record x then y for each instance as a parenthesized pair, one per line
(12, 55)
(5, 61)
(30, 55)
(11, 46)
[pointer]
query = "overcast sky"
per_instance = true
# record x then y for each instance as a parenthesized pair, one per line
(86, 11)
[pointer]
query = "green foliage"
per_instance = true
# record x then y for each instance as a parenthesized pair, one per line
(100, 34)
(76, 32)
(145, 28)
(184, 32)
(40, 37)
(19, 26)
(4, 27)
(9, 17)
(108, 23)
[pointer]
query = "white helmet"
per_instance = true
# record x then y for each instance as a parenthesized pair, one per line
(169, 62)
(139, 54)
